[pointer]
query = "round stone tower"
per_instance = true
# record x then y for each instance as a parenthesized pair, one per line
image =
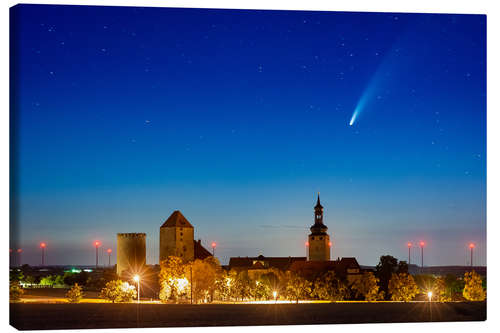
(131, 252)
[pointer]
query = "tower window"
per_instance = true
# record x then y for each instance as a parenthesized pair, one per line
(312, 238)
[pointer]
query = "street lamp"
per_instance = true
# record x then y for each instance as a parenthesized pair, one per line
(275, 294)
(97, 244)
(422, 244)
(43, 246)
(19, 251)
(138, 280)
(429, 295)
(214, 244)
(471, 246)
(409, 254)
(109, 256)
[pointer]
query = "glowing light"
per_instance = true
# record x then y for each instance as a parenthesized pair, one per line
(275, 294)
(307, 243)
(422, 243)
(214, 244)
(354, 116)
(429, 295)
(109, 251)
(43, 245)
(409, 244)
(330, 244)
(182, 284)
(472, 245)
(97, 243)
(137, 278)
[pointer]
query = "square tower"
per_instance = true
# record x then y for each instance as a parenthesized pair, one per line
(319, 240)
(177, 238)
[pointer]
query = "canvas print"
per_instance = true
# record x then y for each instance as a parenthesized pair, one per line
(225, 167)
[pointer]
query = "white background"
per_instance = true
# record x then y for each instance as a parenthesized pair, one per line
(491, 8)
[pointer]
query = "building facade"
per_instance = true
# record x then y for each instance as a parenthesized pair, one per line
(131, 252)
(319, 241)
(177, 238)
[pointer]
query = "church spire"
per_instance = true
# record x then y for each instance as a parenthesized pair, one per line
(318, 204)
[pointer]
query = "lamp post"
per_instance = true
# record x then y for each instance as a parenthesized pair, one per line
(429, 295)
(19, 252)
(43, 245)
(97, 244)
(214, 245)
(471, 246)
(422, 244)
(409, 253)
(138, 280)
(109, 256)
(275, 294)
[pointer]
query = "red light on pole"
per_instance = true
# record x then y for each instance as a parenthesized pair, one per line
(19, 251)
(43, 246)
(109, 256)
(422, 244)
(97, 244)
(329, 244)
(214, 245)
(471, 246)
(409, 253)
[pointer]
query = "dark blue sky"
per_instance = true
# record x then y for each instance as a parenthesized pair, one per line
(237, 118)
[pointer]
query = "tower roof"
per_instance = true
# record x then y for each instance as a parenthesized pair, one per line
(177, 220)
(318, 204)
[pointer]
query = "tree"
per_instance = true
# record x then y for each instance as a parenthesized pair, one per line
(384, 270)
(75, 294)
(297, 287)
(402, 287)
(30, 279)
(118, 291)
(48, 280)
(473, 290)
(329, 287)
(367, 287)
(441, 292)
(15, 291)
(172, 277)
(242, 288)
(202, 281)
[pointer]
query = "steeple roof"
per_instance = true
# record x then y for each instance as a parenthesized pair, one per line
(177, 220)
(318, 204)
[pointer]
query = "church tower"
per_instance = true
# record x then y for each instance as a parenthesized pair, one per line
(319, 241)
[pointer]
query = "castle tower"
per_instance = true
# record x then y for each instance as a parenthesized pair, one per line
(177, 238)
(319, 241)
(131, 252)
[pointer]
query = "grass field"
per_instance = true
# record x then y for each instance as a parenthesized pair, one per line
(26, 316)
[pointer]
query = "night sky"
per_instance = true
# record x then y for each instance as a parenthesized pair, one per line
(237, 118)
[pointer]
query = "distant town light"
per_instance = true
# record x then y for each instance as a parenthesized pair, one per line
(429, 295)
(19, 250)
(275, 293)
(136, 278)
